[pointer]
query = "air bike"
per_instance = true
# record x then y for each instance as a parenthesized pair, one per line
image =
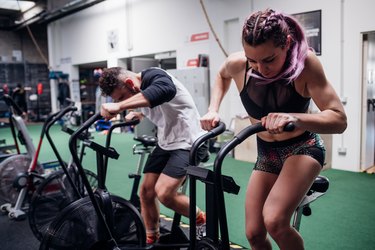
(217, 235)
(102, 220)
(20, 175)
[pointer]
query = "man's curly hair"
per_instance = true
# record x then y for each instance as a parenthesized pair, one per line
(110, 80)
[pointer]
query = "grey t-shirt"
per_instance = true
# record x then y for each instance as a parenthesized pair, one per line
(172, 110)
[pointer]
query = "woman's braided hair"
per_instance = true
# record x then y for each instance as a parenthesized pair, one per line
(269, 25)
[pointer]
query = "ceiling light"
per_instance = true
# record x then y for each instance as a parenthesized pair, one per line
(16, 5)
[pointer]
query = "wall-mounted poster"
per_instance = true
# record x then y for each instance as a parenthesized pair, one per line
(311, 22)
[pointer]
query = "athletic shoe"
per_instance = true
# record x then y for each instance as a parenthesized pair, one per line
(152, 238)
(201, 226)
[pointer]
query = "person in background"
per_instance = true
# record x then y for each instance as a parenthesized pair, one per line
(5, 89)
(278, 76)
(19, 97)
(167, 103)
(63, 92)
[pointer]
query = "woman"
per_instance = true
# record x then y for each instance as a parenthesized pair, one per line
(277, 77)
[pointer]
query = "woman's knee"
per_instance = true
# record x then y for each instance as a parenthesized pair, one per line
(255, 237)
(255, 234)
(275, 223)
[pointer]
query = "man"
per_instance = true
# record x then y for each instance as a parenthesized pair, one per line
(168, 104)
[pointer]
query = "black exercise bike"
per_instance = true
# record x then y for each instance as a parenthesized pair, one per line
(60, 188)
(20, 175)
(101, 220)
(217, 235)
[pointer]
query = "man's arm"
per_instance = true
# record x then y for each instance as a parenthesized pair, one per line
(110, 110)
(160, 90)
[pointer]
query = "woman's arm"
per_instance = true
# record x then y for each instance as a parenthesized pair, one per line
(228, 70)
(332, 118)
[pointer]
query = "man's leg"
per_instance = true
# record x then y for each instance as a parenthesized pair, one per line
(150, 206)
(166, 189)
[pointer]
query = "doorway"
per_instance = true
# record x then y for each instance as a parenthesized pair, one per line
(368, 103)
(88, 87)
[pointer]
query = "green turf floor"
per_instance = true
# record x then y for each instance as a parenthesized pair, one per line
(342, 219)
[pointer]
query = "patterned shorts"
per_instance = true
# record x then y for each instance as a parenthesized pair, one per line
(272, 155)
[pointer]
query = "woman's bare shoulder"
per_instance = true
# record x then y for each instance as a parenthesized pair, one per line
(312, 63)
(235, 63)
(312, 75)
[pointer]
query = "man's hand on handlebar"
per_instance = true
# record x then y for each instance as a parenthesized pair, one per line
(133, 116)
(109, 110)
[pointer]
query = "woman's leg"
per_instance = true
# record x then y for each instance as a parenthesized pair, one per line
(259, 186)
(296, 177)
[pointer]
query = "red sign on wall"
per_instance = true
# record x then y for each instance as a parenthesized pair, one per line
(39, 88)
(199, 37)
(192, 63)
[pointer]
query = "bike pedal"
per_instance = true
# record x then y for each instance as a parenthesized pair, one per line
(132, 176)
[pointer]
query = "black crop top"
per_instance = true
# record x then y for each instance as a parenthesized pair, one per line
(262, 99)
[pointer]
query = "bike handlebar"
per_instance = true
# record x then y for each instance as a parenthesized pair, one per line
(256, 128)
(59, 114)
(239, 138)
(76, 135)
(118, 125)
(107, 151)
(52, 118)
(220, 128)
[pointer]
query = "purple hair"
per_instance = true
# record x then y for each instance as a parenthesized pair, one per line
(263, 26)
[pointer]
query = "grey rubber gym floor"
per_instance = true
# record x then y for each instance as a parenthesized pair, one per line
(16, 235)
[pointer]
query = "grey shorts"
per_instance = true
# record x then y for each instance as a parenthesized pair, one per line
(272, 155)
(172, 162)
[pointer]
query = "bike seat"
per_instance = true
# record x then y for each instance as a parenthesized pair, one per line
(320, 184)
(147, 140)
